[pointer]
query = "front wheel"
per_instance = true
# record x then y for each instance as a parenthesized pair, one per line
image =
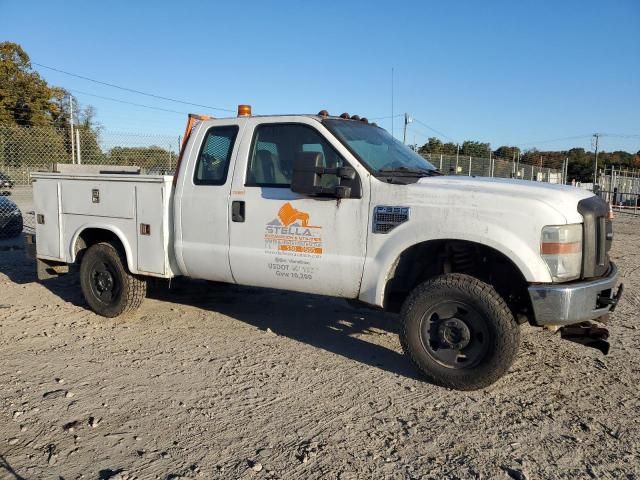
(459, 332)
(108, 286)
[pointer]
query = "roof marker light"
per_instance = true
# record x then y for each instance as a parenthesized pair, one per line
(345, 115)
(244, 110)
(323, 113)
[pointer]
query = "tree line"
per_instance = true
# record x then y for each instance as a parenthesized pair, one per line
(580, 167)
(35, 122)
(27, 100)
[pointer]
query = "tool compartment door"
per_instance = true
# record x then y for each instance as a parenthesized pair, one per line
(151, 228)
(98, 198)
(46, 196)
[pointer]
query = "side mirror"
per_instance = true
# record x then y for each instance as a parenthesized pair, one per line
(307, 175)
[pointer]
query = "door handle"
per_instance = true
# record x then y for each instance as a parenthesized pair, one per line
(237, 211)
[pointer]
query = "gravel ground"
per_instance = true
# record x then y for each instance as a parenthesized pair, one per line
(218, 381)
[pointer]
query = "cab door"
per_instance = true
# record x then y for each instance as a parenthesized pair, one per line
(281, 239)
(202, 202)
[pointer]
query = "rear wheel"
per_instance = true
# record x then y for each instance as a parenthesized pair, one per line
(459, 332)
(107, 285)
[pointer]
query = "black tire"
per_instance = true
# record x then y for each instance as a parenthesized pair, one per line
(459, 332)
(107, 285)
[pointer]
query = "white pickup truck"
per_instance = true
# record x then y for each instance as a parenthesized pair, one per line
(336, 206)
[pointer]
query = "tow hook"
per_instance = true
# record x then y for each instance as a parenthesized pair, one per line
(613, 301)
(588, 334)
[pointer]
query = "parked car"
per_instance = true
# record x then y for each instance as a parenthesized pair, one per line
(10, 218)
(5, 181)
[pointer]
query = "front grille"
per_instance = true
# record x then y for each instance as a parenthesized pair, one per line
(597, 237)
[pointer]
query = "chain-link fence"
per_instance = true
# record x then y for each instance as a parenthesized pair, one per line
(28, 149)
(621, 188)
(493, 167)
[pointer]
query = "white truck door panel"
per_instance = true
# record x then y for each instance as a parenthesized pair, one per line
(299, 243)
(150, 228)
(99, 198)
(202, 203)
(287, 240)
(46, 196)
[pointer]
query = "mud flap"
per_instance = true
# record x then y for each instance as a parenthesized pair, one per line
(47, 269)
(588, 334)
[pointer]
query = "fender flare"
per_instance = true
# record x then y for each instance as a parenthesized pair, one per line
(373, 286)
(109, 228)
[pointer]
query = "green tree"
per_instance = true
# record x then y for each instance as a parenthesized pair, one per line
(25, 98)
(34, 116)
(472, 148)
(144, 157)
(434, 146)
(506, 152)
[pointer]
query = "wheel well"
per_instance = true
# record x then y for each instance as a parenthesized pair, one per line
(436, 257)
(91, 236)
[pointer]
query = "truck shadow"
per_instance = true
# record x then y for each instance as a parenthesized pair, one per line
(331, 324)
(8, 470)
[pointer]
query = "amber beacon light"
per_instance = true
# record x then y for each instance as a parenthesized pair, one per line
(244, 110)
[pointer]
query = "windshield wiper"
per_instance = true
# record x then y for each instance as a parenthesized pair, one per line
(409, 172)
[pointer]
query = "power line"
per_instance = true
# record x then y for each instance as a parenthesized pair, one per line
(169, 99)
(421, 133)
(387, 117)
(576, 137)
(434, 130)
(128, 103)
(619, 135)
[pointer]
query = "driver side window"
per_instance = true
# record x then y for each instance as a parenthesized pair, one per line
(275, 147)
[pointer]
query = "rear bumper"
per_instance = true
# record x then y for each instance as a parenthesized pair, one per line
(566, 304)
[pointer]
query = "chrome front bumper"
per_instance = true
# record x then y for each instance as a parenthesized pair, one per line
(566, 304)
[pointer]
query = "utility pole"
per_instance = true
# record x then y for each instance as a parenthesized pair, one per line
(407, 121)
(78, 155)
(73, 143)
(490, 164)
(595, 166)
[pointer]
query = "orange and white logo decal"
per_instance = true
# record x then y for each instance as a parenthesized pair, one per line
(291, 233)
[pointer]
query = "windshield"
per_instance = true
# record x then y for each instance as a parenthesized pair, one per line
(377, 148)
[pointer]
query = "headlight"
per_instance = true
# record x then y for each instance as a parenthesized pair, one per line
(561, 249)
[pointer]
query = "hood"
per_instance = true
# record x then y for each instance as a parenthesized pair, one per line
(561, 198)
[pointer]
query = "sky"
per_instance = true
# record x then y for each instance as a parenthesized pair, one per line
(526, 73)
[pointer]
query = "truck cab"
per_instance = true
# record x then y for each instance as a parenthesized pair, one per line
(336, 206)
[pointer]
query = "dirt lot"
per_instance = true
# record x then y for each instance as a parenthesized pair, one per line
(216, 381)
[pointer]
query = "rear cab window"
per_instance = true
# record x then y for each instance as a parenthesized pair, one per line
(212, 165)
